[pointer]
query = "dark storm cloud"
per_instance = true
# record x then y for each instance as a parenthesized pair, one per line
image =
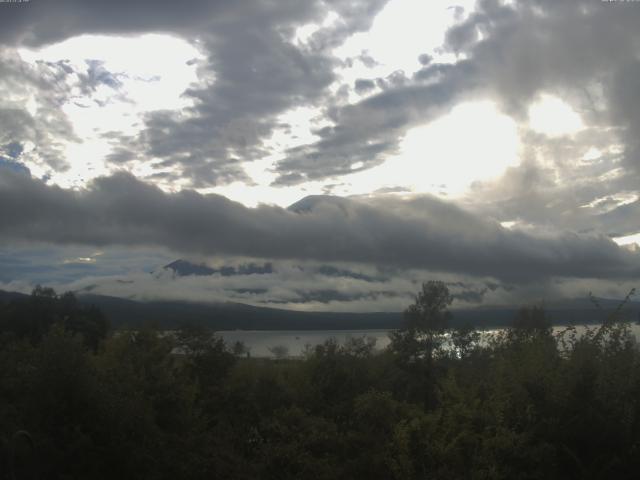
(422, 233)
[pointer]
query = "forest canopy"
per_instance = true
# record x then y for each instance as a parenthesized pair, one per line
(80, 401)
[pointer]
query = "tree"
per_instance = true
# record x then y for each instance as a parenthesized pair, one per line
(239, 349)
(85, 320)
(425, 322)
(429, 312)
(531, 324)
(464, 340)
(206, 356)
(279, 351)
(33, 317)
(532, 318)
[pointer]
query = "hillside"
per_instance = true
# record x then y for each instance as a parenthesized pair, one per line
(234, 316)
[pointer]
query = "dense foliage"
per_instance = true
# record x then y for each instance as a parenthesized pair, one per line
(437, 404)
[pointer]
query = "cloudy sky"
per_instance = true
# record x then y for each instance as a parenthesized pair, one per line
(321, 155)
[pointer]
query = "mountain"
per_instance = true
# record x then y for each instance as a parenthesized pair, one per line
(235, 316)
(232, 316)
(577, 311)
(183, 268)
(310, 202)
(6, 297)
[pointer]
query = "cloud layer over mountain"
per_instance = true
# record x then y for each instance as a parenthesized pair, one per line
(423, 232)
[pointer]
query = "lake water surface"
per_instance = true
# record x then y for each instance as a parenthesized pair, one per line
(295, 341)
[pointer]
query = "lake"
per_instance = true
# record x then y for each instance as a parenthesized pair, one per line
(259, 341)
(295, 341)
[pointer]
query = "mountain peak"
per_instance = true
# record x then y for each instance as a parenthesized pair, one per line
(310, 202)
(184, 268)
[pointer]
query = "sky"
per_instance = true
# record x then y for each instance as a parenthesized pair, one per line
(356, 147)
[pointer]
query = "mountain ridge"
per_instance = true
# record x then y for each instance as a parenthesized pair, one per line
(168, 314)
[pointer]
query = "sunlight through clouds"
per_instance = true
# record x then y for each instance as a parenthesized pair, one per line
(473, 142)
(553, 117)
(432, 159)
(401, 32)
(439, 155)
(630, 241)
(133, 80)
(150, 80)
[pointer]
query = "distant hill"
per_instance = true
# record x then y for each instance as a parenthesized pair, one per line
(8, 296)
(234, 316)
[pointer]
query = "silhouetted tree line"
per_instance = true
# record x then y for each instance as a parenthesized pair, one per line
(33, 318)
(78, 403)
